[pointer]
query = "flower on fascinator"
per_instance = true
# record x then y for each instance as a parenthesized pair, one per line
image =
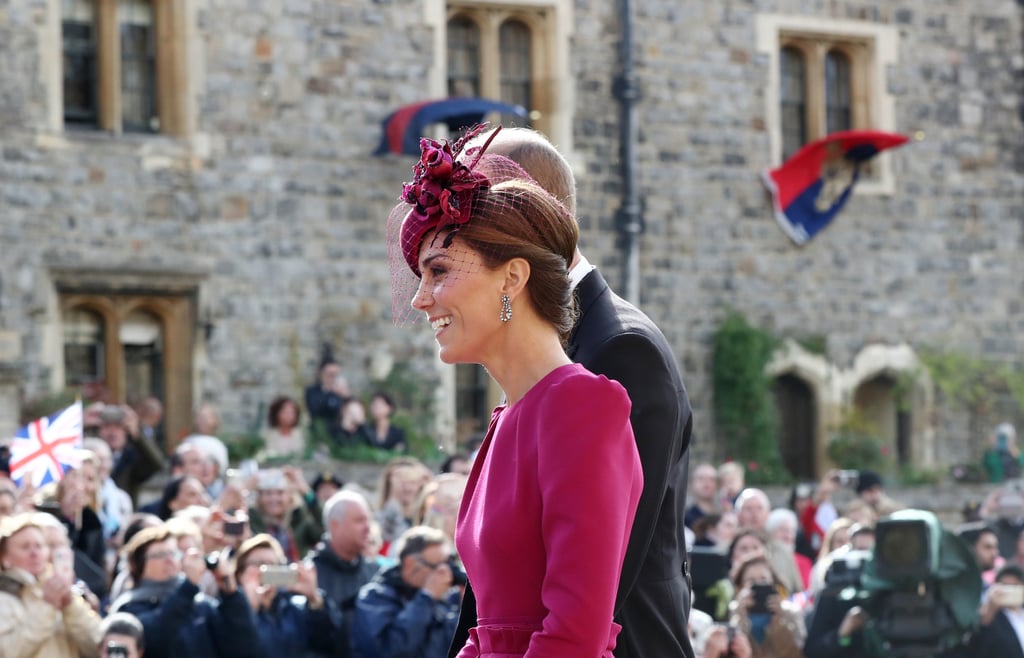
(441, 192)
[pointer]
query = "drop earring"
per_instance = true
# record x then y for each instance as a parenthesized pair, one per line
(506, 308)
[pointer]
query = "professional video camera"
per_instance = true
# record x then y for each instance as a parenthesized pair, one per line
(920, 587)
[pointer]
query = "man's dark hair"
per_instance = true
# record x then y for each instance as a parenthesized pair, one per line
(985, 530)
(170, 492)
(1010, 570)
(446, 466)
(123, 623)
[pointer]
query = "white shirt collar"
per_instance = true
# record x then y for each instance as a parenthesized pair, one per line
(577, 273)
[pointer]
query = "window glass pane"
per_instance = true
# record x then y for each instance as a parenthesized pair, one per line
(83, 347)
(138, 66)
(792, 95)
(141, 336)
(463, 57)
(837, 92)
(516, 67)
(79, 49)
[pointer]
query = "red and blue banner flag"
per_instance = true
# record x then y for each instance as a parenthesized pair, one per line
(45, 449)
(809, 189)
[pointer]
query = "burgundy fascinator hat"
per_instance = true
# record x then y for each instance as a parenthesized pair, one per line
(441, 192)
(450, 182)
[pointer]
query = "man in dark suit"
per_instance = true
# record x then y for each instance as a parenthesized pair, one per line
(614, 338)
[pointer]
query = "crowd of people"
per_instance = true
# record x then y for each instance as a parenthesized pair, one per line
(572, 546)
(762, 572)
(223, 562)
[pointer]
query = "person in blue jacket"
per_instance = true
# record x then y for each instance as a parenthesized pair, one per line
(410, 610)
(293, 616)
(178, 620)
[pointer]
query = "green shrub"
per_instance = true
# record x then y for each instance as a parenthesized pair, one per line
(912, 476)
(743, 403)
(858, 451)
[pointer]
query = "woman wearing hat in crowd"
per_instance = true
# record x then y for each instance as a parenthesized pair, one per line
(486, 252)
(179, 620)
(41, 614)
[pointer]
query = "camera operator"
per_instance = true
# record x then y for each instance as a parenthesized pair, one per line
(1002, 617)
(292, 615)
(412, 608)
(177, 618)
(774, 628)
(837, 621)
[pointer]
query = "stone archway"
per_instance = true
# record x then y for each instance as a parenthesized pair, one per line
(798, 422)
(888, 386)
(877, 403)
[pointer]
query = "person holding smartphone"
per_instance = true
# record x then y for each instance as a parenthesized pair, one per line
(305, 625)
(1002, 613)
(178, 619)
(775, 628)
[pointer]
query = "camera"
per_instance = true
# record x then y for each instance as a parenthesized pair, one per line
(919, 586)
(112, 415)
(234, 528)
(847, 478)
(761, 594)
(116, 650)
(213, 560)
(846, 569)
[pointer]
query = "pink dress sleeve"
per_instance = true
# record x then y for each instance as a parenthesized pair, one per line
(590, 481)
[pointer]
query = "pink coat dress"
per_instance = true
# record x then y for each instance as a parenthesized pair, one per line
(545, 519)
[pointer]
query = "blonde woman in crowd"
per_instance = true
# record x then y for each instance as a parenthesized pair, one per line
(41, 615)
(401, 481)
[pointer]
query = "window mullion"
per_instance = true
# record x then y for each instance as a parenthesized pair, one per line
(109, 67)
(816, 91)
(490, 56)
(860, 97)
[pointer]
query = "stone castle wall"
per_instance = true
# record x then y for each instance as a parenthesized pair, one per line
(277, 207)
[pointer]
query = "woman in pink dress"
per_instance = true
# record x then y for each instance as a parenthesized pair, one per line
(550, 501)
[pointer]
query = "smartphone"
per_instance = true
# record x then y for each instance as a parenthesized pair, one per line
(761, 594)
(1007, 595)
(234, 528)
(278, 575)
(847, 478)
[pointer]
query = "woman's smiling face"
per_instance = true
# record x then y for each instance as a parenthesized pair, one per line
(461, 298)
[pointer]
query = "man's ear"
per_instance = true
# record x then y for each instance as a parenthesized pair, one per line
(517, 273)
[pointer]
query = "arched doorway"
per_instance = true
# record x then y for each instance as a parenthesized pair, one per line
(877, 402)
(798, 418)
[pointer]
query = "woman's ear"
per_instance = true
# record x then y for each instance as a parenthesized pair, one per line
(517, 273)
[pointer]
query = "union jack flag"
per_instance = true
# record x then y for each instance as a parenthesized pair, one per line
(46, 448)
